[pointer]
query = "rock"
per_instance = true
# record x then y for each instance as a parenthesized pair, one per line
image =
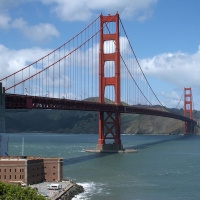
(74, 190)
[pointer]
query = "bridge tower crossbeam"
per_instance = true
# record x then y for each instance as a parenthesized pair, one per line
(109, 122)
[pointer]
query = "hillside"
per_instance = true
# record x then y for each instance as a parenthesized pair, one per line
(60, 121)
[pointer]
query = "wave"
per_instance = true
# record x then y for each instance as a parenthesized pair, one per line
(90, 188)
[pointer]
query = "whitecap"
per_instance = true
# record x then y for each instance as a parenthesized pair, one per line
(90, 188)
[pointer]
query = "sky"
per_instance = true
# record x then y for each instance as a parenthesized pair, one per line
(165, 36)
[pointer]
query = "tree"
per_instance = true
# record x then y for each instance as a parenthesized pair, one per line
(15, 192)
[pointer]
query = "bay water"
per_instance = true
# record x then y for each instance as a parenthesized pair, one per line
(165, 167)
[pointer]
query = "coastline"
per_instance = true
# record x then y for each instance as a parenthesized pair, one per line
(69, 190)
(74, 190)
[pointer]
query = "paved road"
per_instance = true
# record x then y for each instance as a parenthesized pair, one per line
(42, 188)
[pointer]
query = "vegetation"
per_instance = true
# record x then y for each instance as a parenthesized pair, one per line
(15, 192)
(67, 121)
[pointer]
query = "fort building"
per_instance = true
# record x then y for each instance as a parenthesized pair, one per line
(30, 169)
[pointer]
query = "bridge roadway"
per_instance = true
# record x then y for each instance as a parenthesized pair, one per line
(14, 101)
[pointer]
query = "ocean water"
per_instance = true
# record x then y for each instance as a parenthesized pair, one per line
(165, 167)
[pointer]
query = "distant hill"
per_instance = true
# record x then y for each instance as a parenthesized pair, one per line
(65, 121)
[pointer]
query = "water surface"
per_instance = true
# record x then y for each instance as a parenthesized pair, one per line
(165, 167)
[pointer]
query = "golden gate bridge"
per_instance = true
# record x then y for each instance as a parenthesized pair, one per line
(96, 70)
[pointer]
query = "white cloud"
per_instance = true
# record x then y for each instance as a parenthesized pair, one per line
(38, 33)
(4, 21)
(5, 7)
(179, 69)
(41, 32)
(176, 70)
(58, 79)
(172, 99)
(7, 4)
(172, 95)
(68, 10)
(14, 60)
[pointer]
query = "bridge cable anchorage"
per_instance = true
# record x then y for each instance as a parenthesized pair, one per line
(139, 64)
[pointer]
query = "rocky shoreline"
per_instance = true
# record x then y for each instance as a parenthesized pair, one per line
(73, 191)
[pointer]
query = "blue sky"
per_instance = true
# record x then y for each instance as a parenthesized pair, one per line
(165, 35)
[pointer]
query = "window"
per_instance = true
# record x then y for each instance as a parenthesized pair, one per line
(54, 167)
(10, 170)
(15, 176)
(4, 170)
(53, 173)
(0, 170)
(10, 176)
(4, 176)
(15, 170)
(20, 177)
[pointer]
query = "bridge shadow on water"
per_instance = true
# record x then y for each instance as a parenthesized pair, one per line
(79, 159)
(149, 144)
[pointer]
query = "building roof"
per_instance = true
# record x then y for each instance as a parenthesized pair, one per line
(26, 158)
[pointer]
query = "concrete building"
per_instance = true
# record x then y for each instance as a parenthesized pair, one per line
(30, 169)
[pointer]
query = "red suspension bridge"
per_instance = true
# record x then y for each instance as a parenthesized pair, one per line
(97, 70)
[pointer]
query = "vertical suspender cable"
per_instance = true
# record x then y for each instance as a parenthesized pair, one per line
(64, 86)
(88, 66)
(22, 84)
(53, 75)
(59, 75)
(42, 78)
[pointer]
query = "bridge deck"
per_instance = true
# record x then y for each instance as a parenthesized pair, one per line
(13, 101)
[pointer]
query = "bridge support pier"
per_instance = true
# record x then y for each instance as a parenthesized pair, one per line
(109, 122)
(189, 128)
(2, 109)
(109, 129)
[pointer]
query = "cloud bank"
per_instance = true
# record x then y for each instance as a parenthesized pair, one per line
(83, 10)
(180, 69)
(38, 33)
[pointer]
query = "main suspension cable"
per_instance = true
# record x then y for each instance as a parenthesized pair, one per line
(139, 64)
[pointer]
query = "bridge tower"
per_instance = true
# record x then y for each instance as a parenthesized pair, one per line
(189, 127)
(109, 122)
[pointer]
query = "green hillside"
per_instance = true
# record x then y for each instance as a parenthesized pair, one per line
(64, 121)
